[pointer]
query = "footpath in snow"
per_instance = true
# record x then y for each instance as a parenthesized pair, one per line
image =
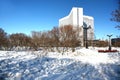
(83, 64)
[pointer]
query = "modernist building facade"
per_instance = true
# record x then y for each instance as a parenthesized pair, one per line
(77, 19)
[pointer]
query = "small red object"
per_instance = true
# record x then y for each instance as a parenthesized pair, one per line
(105, 51)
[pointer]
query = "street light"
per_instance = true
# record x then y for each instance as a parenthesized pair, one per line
(109, 42)
(85, 36)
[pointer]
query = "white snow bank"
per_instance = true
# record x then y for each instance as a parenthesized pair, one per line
(90, 56)
(84, 64)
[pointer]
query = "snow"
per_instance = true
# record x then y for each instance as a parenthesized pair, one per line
(83, 64)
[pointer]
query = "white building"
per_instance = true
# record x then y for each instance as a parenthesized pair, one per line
(77, 19)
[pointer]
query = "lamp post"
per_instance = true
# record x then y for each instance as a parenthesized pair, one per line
(85, 36)
(109, 42)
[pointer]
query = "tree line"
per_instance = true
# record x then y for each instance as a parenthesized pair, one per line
(59, 38)
(65, 36)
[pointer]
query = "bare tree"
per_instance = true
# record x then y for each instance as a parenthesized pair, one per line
(36, 39)
(69, 36)
(3, 39)
(54, 38)
(20, 39)
(40, 39)
(116, 15)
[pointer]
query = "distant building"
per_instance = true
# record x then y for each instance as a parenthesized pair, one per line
(115, 42)
(77, 19)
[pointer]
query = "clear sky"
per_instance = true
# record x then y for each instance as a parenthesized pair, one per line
(37, 15)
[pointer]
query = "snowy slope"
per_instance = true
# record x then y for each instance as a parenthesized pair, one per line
(84, 64)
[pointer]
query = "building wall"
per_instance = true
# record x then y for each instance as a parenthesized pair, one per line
(77, 19)
(74, 18)
(89, 21)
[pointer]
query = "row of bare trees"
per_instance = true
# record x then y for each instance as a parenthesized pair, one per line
(65, 37)
(7, 42)
(59, 38)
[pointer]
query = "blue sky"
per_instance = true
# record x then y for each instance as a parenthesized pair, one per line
(38, 15)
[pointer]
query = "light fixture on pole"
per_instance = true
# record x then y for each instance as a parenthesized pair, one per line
(109, 42)
(85, 36)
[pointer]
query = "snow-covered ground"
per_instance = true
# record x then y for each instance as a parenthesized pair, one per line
(83, 64)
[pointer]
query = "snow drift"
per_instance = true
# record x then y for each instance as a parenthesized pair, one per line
(83, 64)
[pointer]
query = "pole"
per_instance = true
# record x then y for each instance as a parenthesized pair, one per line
(86, 41)
(109, 42)
(85, 36)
